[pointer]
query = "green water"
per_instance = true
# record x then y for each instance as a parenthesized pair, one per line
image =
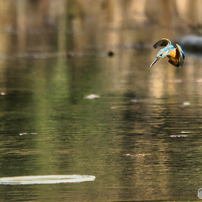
(141, 134)
(140, 138)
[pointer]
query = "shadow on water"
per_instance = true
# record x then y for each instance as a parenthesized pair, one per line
(77, 96)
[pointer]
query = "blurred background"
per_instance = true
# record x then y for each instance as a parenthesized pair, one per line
(77, 96)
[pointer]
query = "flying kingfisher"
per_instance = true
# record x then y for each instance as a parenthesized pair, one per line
(176, 55)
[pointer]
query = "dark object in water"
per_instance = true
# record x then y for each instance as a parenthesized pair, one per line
(110, 54)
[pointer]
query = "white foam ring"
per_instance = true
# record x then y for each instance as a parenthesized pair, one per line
(45, 179)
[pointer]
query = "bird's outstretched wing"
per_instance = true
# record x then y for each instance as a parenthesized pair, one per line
(180, 55)
(162, 42)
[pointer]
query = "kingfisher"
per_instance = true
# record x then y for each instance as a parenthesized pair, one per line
(175, 54)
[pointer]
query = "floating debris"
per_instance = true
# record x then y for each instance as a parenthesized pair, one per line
(185, 132)
(186, 103)
(2, 93)
(130, 155)
(45, 179)
(178, 135)
(102, 55)
(135, 100)
(138, 155)
(28, 133)
(121, 107)
(110, 54)
(92, 96)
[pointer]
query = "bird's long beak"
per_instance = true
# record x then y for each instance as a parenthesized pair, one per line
(156, 59)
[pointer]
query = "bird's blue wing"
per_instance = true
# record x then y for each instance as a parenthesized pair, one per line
(180, 55)
(162, 42)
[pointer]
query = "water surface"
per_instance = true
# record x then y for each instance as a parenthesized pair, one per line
(81, 100)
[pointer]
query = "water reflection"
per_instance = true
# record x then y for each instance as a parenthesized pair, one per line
(82, 136)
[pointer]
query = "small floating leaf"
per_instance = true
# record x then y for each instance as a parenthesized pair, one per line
(45, 179)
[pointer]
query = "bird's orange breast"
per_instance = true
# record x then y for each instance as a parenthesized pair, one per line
(173, 57)
(172, 53)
